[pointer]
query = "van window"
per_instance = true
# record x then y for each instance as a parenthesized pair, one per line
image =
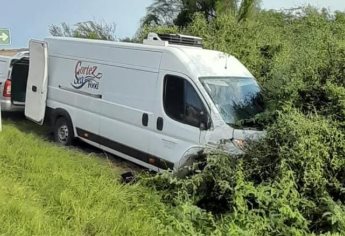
(181, 102)
(238, 99)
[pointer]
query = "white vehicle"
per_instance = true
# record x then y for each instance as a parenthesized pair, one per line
(156, 104)
(4, 66)
(16, 67)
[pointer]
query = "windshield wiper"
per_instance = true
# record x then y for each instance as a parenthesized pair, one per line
(248, 124)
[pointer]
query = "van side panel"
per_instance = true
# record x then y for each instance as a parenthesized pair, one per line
(105, 52)
(83, 109)
(107, 96)
(128, 95)
(131, 87)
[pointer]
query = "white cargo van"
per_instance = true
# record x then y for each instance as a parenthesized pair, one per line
(157, 104)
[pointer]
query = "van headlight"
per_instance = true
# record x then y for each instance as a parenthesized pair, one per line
(239, 143)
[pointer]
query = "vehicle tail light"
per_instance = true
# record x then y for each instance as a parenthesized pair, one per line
(7, 88)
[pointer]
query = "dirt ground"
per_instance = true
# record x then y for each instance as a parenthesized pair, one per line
(10, 52)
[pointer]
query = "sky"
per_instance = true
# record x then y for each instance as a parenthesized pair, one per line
(30, 19)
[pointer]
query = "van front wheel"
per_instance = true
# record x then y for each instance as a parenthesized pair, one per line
(63, 131)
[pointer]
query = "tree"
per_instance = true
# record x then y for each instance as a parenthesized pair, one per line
(190, 7)
(181, 12)
(241, 9)
(162, 12)
(87, 29)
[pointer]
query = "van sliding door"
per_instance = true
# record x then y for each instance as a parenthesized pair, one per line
(37, 84)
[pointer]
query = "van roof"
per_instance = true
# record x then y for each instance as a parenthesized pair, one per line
(115, 44)
(198, 61)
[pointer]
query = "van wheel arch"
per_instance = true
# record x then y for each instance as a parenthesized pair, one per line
(61, 117)
(188, 158)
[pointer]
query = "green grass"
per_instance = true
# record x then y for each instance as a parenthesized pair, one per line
(51, 190)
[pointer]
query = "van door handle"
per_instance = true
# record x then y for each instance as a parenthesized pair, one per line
(34, 88)
(145, 119)
(160, 123)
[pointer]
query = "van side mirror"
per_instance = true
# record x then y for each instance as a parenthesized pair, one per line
(205, 120)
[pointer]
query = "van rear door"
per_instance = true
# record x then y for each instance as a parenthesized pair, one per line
(37, 84)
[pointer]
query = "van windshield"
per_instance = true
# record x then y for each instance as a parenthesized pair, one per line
(236, 98)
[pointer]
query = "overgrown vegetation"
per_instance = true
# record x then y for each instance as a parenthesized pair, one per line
(293, 181)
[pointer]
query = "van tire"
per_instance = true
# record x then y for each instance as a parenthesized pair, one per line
(63, 131)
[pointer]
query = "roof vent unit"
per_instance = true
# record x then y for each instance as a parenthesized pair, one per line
(177, 39)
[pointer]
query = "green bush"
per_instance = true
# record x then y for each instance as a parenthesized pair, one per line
(293, 181)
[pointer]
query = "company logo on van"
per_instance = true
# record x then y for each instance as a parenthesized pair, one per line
(86, 75)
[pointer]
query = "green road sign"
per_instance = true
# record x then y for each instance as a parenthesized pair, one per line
(5, 37)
